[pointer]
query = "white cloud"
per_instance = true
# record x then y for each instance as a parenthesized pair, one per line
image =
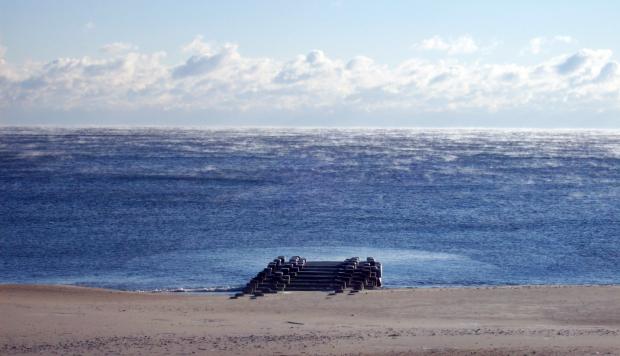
(219, 78)
(89, 26)
(538, 44)
(7, 72)
(461, 45)
(118, 47)
(197, 46)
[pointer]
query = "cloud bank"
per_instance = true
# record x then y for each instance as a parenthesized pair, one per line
(218, 78)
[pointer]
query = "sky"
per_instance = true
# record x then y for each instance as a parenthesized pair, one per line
(541, 64)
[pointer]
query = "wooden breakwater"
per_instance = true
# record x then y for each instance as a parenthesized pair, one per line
(298, 274)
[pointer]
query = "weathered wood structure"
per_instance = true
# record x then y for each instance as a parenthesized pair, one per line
(298, 274)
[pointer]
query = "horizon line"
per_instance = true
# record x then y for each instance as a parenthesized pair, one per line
(283, 127)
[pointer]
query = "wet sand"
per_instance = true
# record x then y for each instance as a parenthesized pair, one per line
(462, 321)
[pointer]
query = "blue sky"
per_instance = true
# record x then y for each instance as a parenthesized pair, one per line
(314, 63)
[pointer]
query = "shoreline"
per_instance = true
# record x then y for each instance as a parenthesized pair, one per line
(232, 290)
(558, 319)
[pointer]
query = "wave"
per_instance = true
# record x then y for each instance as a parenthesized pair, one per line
(197, 290)
(181, 177)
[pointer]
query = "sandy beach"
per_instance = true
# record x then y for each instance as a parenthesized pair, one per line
(506, 320)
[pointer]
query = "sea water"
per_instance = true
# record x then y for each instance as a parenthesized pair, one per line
(182, 209)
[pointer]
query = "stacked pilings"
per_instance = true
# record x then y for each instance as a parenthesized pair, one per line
(298, 274)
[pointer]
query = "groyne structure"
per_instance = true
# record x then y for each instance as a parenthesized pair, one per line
(298, 274)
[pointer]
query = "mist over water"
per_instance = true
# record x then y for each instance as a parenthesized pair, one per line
(146, 209)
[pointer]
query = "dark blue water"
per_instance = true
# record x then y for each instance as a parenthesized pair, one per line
(153, 209)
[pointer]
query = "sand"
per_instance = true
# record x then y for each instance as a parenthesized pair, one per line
(462, 321)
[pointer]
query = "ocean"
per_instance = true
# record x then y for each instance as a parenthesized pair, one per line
(203, 210)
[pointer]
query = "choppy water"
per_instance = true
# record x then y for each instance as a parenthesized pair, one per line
(147, 209)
